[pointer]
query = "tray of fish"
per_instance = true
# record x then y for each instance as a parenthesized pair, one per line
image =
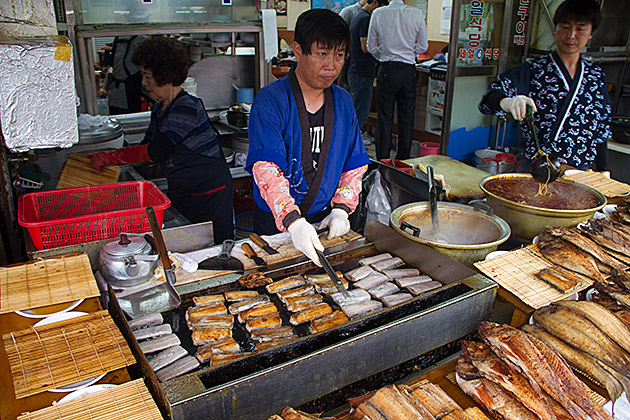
(255, 348)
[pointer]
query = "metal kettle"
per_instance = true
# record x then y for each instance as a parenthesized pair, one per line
(127, 260)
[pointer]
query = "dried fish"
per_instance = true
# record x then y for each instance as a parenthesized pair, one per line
(408, 281)
(267, 321)
(152, 332)
(220, 358)
(202, 335)
(359, 273)
(143, 321)
(436, 401)
(208, 300)
(361, 309)
(160, 343)
(543, 366)
(389, 404)
(579, 359)
(213, 321)
(383, 289)
(580, 333)
(570, 257)
(374, 258)
(196, 312)
(261, 310)
(562, 279)
(388, 264)
(424, 412)
(291, 414)
(419, 288)
(491, 367)
(370, 281)
(475, 413)
(226, 345)
(236, 295)
(178, 368)
(243, 305)
(299, 303)
(618, 293)
(275, 333)
(316, 311)
(166, 357)
(286, 284)
(299, 291)
(399, 273)
(356, 296)
(396, 299)
(606, 243)
(327, 322)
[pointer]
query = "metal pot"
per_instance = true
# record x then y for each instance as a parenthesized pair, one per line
(127, 261)
(527, 221)
(466, 235)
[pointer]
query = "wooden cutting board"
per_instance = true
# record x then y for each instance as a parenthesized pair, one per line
(607, 186)
(78, 172)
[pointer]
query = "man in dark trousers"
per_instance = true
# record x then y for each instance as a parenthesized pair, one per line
(397, 34)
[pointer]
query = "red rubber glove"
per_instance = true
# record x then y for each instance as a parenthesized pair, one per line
(134, 154)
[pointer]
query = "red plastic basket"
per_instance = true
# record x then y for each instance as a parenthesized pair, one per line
(85, 214)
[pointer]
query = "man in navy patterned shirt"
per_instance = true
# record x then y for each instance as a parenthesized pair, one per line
(567, 93)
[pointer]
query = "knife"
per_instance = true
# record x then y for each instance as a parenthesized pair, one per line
(252, 254)
(262, 243)
(331, 273)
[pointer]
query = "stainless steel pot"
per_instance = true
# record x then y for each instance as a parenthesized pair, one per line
(527, 221)
(127, 261)
(465, 235)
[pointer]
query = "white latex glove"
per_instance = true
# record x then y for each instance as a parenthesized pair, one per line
(305, 239)
(517, 106)
(337, 222)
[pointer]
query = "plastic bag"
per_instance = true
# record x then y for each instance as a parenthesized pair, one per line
(379, 205)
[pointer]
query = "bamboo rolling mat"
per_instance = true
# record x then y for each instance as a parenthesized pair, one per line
(64, 353)
(129, 401)
(609, 187)
(515, 271)
(78, 172)
(46, 282)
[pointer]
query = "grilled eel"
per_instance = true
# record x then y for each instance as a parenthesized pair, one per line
(580, 360)
(562, 279)
(266, 321)
(543, 366)
(309, 314)
(208, 300)
(286, 284)
(299, 303)
(327, 322)
(202, 335)
(267, 308)
(580, 333)
(491, 367)
(490, 395)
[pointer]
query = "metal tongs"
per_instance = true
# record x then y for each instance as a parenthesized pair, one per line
(433, 200)
(331, 273)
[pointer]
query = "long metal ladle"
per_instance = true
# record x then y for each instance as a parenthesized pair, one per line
(545, 169)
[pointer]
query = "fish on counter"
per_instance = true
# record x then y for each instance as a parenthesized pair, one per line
(226, 346)
(617, 292)
(267, 321)
(309, 314)
(543, 366)
(570, 257)
(178, 368)
(285, 284)
(383, 289)
(387, 403)
(152, 332)
(292, 414)
(388, 264)
(245, 304)
(268, 308)
(196, 312)
(399, 273)
(356, 296)
(167, 356)
(208, 300)
(237, 295)
(359, 273)
(146, 320)
(299, 303)
(396, 299)
(354, 310)
(212, 321)
(434, 399)
(371, 281)
(271, 334)
(419, 288)
(307, 289)
(403, 282)
(562, 279)
(160, 343)
(327, 322)
(375, 258)
(614, 249)
(203, 335)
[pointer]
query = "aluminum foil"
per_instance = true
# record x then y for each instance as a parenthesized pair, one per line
(37, 94)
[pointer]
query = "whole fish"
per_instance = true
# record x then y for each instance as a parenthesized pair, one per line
(570, 257)
(622, 214)
(621, 278)
(615, 291)
(624, 316)
(580, 333)
(491, 367)
(603, 319)
(582, 361)
(611, 229)
(619, 226)
(494, 398)
(612, 248)
(544, 368)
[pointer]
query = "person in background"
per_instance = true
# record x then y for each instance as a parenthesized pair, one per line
(306, 153)
(125, 86)
(362, 64)
(180, 139)
(568, 93)
(397, 34)
(347, 14)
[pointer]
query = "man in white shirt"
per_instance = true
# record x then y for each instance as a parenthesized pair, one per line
(396, 36)
(348, 13)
